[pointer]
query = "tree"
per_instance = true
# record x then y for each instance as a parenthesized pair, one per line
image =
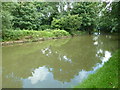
(26, 16)
(48, 10)
(109, 20)
(69, 23)
(6, 20)
(88, 11)
(6, 15)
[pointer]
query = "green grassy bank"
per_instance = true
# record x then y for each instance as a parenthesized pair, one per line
(105, 77)
(12, 35)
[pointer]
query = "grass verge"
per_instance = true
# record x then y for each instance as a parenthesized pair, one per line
(105, 77)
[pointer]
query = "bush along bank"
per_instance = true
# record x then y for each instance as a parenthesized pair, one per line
(105, 77)
(21, 36)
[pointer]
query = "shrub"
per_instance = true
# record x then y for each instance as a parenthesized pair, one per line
(44, 27)
(69, 23)
(59, 33)
(31, 34)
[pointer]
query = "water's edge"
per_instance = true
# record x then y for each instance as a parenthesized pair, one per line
(28, 41)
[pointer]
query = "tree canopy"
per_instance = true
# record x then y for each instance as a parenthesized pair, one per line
(70, 16)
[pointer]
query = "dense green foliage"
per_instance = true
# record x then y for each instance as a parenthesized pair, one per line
(109, 20)
(88, 11)
(69, 16)
(29, 15)
(6, 19)
(30, 34)
(25, 16)
(69, 23)
(105, 77)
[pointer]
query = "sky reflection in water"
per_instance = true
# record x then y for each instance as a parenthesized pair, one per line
(42, 74)
(54, 64)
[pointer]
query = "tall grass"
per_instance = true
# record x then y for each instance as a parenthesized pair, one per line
(31, 34)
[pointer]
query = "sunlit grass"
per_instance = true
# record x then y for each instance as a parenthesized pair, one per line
(105, 77)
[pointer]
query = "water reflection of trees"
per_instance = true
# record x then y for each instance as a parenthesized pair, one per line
(64, 61)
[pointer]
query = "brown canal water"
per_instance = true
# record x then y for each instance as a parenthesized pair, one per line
(59, 63)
